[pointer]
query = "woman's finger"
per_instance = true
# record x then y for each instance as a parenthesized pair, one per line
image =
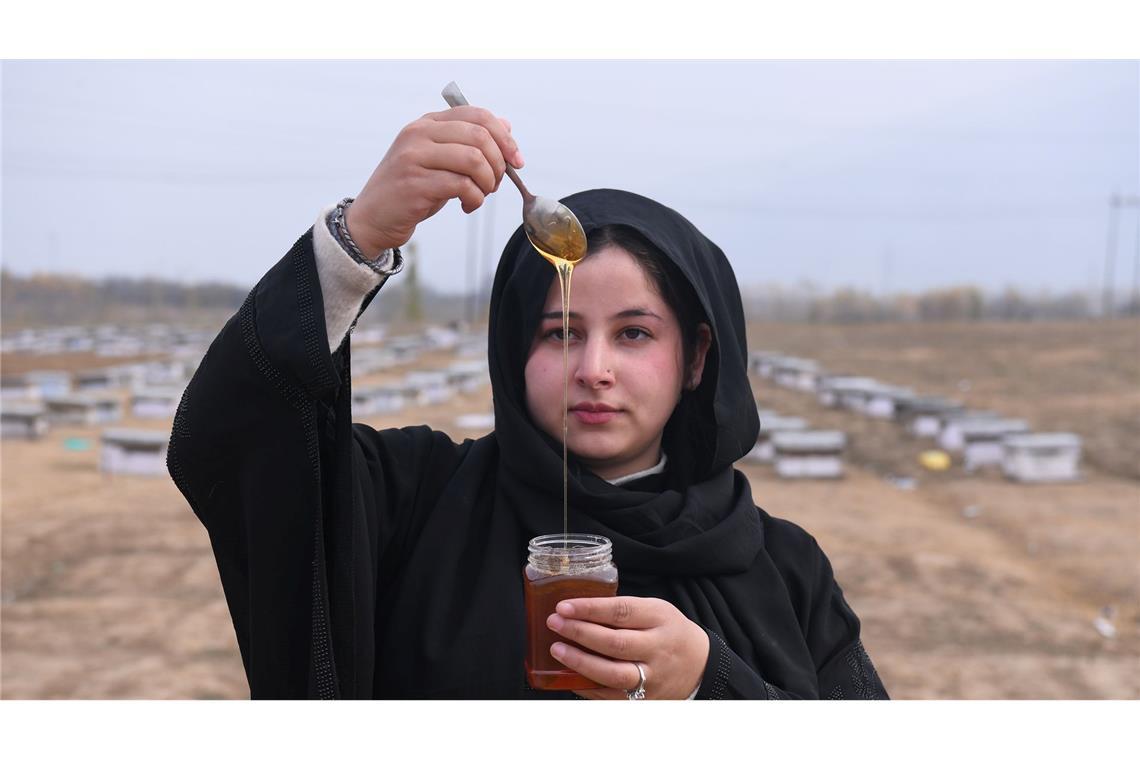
(618, 643)
(463, 160)
(474, 136)
(614, 611)
(439, 186)
(602, 670)
(491, 123)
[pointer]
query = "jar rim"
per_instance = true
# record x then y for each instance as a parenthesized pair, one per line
(577, 545)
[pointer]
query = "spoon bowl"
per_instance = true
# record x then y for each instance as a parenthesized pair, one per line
(550, 226)
(554, 230)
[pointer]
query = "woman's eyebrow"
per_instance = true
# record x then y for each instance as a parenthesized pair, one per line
(637, 312)
(625, 314)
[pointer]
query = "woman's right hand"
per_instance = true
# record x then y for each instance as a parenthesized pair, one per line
(458, 153)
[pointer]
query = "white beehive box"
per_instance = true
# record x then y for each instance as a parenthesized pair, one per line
(432, 386)
(982, 440)
(883, 401)
(112, 377)
(442, 337)
(836, 390)
(369, 360)
(19, 388)
(378, 399)
(922, 415)
(855, 394)
(72, 409)
(155, 403)
(107, 408)
(50, 382)
(1042, 457)
(796, 374)
(481, 422)
(23, 420)
(809, 453)
(168, 372)
(764, 450)
(97, 379)
(762, 363)
(134, 452)
(468, 376)
(950, 435)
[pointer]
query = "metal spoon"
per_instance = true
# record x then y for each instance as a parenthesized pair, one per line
(551, 227)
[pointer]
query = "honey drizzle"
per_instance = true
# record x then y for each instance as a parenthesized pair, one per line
(565, 268)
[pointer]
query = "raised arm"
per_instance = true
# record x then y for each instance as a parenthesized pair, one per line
(263, 446)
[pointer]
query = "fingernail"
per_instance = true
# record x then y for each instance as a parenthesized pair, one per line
(519, 159)
(558, 650)
(565, 608)
(554, 622)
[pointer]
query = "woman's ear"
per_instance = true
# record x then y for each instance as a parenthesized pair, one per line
(704, 340)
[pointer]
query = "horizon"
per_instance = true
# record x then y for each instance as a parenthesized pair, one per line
(748, 290)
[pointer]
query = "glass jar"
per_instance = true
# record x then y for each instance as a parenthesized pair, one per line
(561, 566)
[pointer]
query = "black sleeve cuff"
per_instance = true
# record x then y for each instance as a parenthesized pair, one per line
(729, 677)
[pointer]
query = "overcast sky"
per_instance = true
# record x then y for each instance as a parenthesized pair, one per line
(881, 175)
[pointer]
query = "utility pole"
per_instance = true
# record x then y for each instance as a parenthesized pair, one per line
(1133, 202)
(888, 266)
(470, 311)
(488, 242)
(413, 309)
(1134, 304)
(1116, 203)
(885, 308)
(1110, 256)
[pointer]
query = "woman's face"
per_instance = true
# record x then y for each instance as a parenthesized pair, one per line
(625, 365)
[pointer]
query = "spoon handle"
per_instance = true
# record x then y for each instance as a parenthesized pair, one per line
(454, 97)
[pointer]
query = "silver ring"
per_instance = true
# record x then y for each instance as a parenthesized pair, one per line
(638, 692)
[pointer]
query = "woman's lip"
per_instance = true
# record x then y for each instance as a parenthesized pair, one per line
(588, 417)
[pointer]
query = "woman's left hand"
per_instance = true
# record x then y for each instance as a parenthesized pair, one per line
(671, 649)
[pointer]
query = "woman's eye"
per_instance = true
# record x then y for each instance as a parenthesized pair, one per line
(634, 333)
(556, 334)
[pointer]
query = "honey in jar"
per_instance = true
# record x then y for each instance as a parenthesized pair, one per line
(561, 566)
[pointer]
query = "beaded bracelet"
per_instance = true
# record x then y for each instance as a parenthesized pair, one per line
(339, 227)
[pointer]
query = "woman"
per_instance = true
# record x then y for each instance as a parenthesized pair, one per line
(363, 563)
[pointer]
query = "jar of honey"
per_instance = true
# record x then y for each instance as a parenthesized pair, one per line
(561, 566)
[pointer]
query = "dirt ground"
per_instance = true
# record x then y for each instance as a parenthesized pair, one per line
(968, 586)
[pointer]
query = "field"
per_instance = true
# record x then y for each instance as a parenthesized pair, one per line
(968, 586)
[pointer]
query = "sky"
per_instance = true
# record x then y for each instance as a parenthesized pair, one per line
(887, 176)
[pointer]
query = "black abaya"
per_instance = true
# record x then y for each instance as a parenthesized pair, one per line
(360, 563)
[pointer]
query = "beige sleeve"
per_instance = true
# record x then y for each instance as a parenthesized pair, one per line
(344, 281)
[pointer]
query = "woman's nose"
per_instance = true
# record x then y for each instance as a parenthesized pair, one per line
(594, 368)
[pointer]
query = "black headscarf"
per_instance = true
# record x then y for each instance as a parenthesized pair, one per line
(702, 523)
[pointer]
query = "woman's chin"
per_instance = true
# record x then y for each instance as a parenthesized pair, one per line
(607, 463)
(593, 447)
